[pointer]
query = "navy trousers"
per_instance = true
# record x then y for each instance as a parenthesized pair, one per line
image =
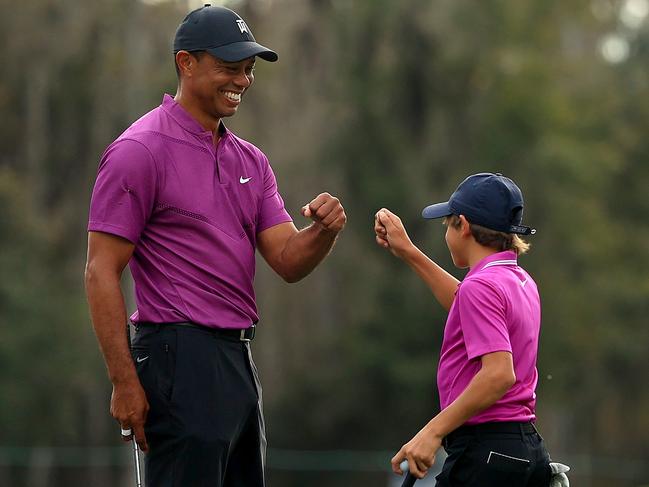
(205, 425)
(495, 455)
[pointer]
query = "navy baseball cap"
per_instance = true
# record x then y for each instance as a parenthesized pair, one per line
(487, 199)
(220, 32)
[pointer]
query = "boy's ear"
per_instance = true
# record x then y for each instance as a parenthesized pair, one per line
(465, 228)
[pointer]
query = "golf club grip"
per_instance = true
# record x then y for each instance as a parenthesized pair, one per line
(409, 481)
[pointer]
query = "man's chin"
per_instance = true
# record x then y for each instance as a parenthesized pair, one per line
(227, 112)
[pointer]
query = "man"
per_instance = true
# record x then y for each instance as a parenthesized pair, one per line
(487, 370)
(185, 203)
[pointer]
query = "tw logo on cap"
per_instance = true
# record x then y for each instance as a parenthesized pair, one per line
(242, 26)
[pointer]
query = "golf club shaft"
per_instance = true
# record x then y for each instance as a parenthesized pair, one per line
(136, 460)
(409, 481)
(136, 451)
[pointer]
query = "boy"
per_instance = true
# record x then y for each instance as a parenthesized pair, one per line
(487, 369)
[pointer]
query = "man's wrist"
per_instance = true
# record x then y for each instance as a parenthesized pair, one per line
(322, 230)
(124, 377)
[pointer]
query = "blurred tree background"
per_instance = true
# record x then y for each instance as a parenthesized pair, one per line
(382, 103)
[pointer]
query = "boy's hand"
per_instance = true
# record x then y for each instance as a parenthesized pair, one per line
(420, 453)
(390, 233)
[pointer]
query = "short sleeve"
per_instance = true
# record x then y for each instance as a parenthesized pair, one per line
(124, 194)
(483, 318)
(271, 211)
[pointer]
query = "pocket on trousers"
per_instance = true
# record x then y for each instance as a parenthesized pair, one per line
(167, 365)
(505, 469)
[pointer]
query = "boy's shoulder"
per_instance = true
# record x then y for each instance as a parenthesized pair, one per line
(480, 286)
(502, 281)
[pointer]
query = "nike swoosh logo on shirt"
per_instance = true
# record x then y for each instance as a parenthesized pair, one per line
(141, 359)
(243, 180)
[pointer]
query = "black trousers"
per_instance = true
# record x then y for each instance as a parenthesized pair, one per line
(205, 425)
(495, 455)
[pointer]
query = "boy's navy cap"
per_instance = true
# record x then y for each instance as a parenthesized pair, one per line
(220, 32)
(487, 199)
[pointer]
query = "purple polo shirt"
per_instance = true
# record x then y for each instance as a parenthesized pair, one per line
(496, 308)
(193, 212)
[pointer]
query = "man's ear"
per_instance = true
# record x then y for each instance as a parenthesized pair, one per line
(185, 62)
(465, 226)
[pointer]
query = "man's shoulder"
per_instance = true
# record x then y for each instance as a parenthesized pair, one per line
(136, 145)
(156, 131)
(145, 128)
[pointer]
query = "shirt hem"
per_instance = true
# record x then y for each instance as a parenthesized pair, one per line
(274, 222)
(112, 229)
(484, 351)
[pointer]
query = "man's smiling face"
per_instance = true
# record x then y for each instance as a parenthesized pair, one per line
(218, 85)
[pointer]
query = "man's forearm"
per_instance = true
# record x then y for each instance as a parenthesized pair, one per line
(441, 283)
(305, 250)
(108, 314)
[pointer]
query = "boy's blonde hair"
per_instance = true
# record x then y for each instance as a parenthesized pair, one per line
(494, 239)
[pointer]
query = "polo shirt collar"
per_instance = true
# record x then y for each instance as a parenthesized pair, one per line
(185, 120)
(508, 257)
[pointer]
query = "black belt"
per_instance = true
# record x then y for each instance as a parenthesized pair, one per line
(510, 427)
(243, 334)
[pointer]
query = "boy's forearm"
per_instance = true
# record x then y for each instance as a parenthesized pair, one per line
(483, 391)
(441, 283)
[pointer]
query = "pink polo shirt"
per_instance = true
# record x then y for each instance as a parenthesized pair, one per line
(496, 308)
(193, 211)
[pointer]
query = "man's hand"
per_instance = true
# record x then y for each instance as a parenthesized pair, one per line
(327, 212)
(390, 233)
(294, 254)
(129, 406)
(420, 453)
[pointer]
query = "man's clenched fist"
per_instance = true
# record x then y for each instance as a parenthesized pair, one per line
(326, 211)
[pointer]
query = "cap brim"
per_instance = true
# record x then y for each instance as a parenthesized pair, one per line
(438, 210)
(238, 51)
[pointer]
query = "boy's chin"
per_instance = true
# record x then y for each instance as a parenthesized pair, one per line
(459, 263)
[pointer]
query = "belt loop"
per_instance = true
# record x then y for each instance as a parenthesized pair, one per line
(242, 336)
(522, 431)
